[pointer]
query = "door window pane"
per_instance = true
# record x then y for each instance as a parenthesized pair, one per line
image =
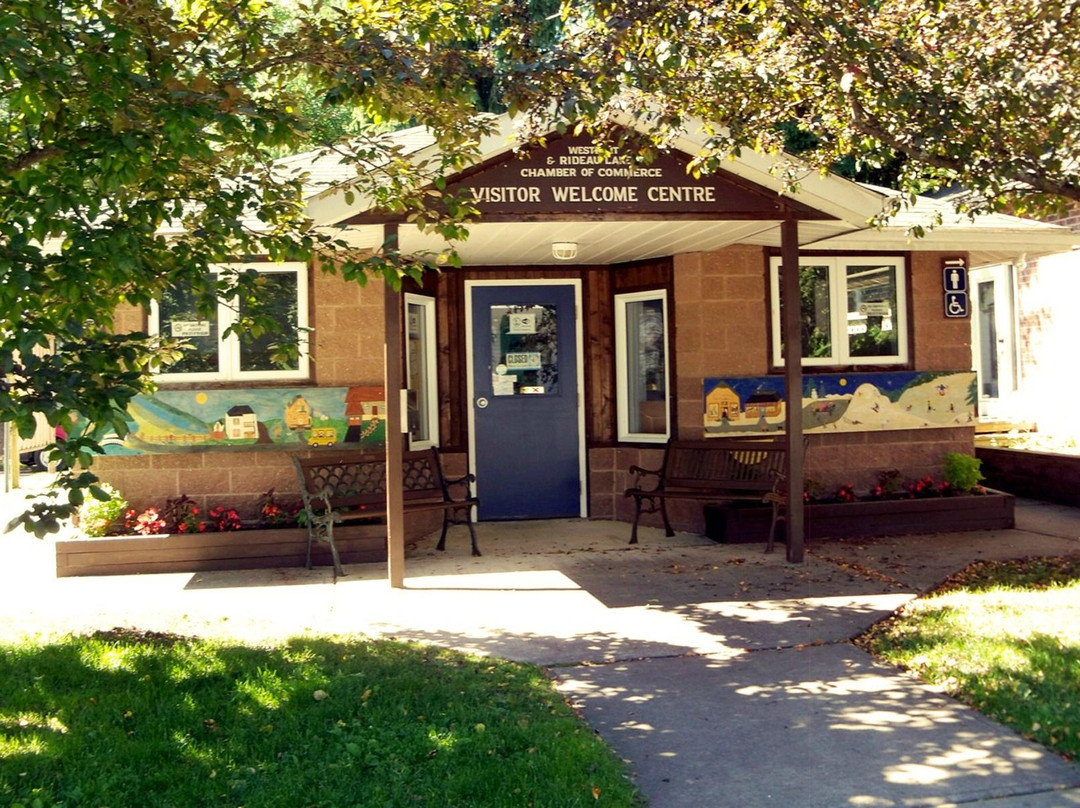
(524, 350)
(422, 411)
(815, 312)
(988, 339)
(179, 318)
(871, 310)
(641, 375)
(646, 373)
(279, 294)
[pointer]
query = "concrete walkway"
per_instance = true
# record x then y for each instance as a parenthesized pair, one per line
(723, 675)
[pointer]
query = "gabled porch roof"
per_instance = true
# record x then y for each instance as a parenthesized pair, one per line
(841, 218)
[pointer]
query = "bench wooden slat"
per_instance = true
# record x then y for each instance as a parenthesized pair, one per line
(713, 470)
(352, 486)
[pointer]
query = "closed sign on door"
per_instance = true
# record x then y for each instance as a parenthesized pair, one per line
(528, 360)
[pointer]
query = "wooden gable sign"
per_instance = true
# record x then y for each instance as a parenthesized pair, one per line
(571, 176)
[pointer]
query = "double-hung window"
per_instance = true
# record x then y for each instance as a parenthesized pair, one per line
(216, 357)
(853, 311)
(641, 366)
(422, 397)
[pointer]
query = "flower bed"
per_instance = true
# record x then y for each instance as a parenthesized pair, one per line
(181, 537)
(892, 507)
(993, 510)
(230, 550)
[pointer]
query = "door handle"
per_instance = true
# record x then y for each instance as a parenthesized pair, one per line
(481, 403)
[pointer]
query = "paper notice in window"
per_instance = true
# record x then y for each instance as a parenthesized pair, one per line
(190, 328)
(522, 323)
(502, 385)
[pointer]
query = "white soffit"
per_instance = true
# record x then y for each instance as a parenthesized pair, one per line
(611, 242)
(614, 242)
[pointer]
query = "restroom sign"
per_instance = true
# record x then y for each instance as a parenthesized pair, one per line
(954, 280)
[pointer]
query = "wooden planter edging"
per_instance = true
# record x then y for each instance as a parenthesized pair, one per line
(199, 552)
(992, 511)
(1038, 475)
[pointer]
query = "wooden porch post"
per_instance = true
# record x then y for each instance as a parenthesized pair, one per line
(789, 285)
(11, 458)
(395, 444)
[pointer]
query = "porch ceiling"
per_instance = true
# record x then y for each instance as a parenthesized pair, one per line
(599, 242)
(615, 242)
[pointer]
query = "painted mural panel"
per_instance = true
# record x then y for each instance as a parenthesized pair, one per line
(842, 402)
(253, 419)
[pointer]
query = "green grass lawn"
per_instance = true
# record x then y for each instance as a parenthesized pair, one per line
(126, 719)
(1003, 637)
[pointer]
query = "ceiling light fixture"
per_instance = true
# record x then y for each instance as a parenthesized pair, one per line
(564, 250)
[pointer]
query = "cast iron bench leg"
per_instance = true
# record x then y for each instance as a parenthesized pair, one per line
(338, 571)
(472, 534)
(663, 512)
(637, 516)
(468, 522)
(445, 526)
(777, 515)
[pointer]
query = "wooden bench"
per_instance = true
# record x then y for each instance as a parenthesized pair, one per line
(713, 470)
(348, 486)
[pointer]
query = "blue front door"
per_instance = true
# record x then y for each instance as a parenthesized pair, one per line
(525, 401)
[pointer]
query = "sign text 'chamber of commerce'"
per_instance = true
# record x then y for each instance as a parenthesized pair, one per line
(574, 175)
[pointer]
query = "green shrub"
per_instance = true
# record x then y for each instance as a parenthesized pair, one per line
(96, 516)
(962, 471)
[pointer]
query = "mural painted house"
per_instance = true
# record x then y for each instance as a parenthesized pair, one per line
(603, 307)
(298, 414)
(722, 405)
(241, 423)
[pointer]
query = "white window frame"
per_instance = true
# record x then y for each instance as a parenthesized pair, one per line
(229, 346)
(837, 266)
(622, 367)
(430, 360)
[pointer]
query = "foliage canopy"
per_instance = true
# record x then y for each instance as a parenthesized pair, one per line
(137, 151)
(976, 94)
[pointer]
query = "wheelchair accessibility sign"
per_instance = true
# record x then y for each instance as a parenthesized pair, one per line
(956, 304)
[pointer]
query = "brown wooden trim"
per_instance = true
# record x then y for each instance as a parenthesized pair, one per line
(773, 252)
(599, 352)
(455, 415)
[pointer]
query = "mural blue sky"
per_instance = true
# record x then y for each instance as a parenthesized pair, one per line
(213, 420)
(847, 402)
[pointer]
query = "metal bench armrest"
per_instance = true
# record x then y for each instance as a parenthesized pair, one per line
(640, 474)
